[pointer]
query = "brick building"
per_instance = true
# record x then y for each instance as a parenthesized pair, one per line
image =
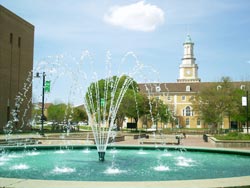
(177, 95)
(16, 64)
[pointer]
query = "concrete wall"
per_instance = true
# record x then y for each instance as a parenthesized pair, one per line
(229, 143)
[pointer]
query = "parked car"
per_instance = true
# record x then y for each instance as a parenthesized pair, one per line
(82, 123)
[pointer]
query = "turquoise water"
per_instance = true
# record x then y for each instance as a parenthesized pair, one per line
(121, 165)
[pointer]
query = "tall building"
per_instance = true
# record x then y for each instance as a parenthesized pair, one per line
(16, 64)
(188, 67)
(177, 95)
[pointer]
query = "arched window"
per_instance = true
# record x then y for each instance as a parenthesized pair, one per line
(158, 89)
(187, 111)
(218, 87)
(242, 87)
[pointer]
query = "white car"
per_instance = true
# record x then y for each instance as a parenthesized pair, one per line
(82, 123)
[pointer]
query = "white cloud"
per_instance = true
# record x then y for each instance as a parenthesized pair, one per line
(140, 16)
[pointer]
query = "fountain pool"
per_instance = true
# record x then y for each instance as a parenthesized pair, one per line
(122, 164)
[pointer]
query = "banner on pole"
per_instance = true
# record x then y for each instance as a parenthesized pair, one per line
(244, 101)
(47, 86)
(102, 102)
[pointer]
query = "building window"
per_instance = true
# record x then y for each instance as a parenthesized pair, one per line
(188, 88)
(183, 98)
(11, 38)
(19, 42)
(242, 87)
(198, 122)
(187, 111)
(158, 89)
(218, 87)
(187, 122)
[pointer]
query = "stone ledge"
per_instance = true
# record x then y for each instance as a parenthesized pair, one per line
(229, 143)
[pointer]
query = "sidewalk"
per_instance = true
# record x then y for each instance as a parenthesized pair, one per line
(190, 140)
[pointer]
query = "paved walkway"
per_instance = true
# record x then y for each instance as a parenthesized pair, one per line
(221, 182)
(190, 140)
(59, 139)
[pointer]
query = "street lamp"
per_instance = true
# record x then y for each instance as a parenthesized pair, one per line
(247, 110)
(38, 75)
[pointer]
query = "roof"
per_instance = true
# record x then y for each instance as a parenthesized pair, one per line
(181, 87)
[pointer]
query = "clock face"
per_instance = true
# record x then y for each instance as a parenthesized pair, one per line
(188, 72)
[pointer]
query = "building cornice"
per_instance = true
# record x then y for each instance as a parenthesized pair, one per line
(7, 12)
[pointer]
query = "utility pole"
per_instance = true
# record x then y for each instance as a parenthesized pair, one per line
(42, 120)
(43, 91)
(247, 109)
(245, 103)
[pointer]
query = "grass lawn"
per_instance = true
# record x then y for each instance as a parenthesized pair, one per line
(233, 136)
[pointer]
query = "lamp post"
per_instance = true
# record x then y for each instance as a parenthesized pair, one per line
(247, 109)
(38, 75)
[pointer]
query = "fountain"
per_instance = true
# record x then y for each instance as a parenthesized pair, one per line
(101, 96)
(122, 164)
(100, 113)
(138, 164)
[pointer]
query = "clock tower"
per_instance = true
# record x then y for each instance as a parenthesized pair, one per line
(188, 68)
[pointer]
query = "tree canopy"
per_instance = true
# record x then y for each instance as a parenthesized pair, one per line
(219, 100)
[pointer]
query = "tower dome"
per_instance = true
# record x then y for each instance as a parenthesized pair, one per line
(188, 39)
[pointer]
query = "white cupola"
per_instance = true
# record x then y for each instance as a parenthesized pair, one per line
(188, 68)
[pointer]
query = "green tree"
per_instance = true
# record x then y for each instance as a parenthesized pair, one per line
(57, 112)
(79, 115)
(134, 105)
(240, 115)
(216, 101)
(159, 111)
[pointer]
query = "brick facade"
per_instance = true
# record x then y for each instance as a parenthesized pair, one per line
(16, 64)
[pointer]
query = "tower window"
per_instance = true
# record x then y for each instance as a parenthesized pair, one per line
(188, 88)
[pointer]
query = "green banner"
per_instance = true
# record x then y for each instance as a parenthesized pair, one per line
(47, 86)
(102, 102)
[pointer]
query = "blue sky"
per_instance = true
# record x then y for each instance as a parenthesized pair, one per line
(154, 30)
